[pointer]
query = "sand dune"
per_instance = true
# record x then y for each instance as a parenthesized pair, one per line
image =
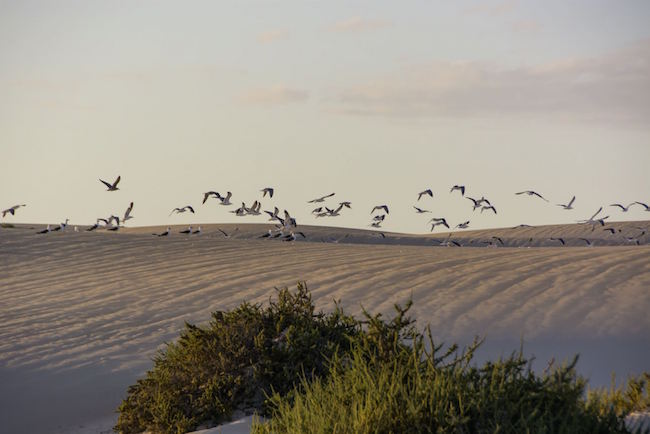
(81, 314)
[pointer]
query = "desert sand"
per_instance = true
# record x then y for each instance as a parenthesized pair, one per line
(83, 313)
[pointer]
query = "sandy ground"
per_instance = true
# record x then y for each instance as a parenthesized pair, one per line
(82, 314)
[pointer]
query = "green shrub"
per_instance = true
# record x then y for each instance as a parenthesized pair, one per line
(634, 395)
(232, 364)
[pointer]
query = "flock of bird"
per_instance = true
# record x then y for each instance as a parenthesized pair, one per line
(285, 224)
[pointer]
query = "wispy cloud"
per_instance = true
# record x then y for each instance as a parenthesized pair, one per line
(278, 94)
(272, 36)
(357, 24)
(613, 87)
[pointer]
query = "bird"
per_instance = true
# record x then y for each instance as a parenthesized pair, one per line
(268, 190)
(113, 186)
(438, 222)
(127, 214)
(647, 208)
(113, 228)
(267, 235)
(226, 200)
(420, 211)
(463, 225)
(376, 224)
(241, 211)
(477, 202)
(61, 226)
(186, 231)
(292, 236)
(611, 230)
(532, 193)
(44, 231)
(568, 205)
(321, 199)
(93, 227)
(623, 208)
(346, 204)
(182, 210)
(379, 218)
(274, 214)
(422, 193)
(558, 239)
(588, 242)
(198, 231)
(164, 234)
(317, 210)
(378, 207)
(12, 210)
(207, 194)
(460, 188)
(523, 225)
(483, 208)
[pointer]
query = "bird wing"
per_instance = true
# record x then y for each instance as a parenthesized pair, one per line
(572, 200)
(106, 183)
(116, 181)
(190, 208)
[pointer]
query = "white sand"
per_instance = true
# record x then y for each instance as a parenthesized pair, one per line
(81, 314)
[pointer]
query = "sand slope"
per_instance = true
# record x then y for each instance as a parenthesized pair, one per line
(81, 314)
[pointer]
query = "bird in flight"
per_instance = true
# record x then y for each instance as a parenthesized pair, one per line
(226, 200)
(623, 208)
(561, 240)
(483, 208)
(11, 210)
(378, 207)
(425, 192)
(207, 194)
(420, 210)
(568, 205)
(182, 210)
(532, 193)
(127, 214)
(113, 186)
(463, 225)
(460, 188)
(268, 190)
(321, 199)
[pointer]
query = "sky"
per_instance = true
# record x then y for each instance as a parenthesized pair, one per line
(373, 100)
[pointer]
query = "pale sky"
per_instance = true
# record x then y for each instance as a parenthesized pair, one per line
(373, 100)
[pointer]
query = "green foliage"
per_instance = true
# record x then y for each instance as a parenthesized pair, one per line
(394, 380)
(232, 364)
(634, 395)
(6, 225)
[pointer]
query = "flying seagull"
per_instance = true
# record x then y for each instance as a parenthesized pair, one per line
(477, 202)
(623, 208)
(93, 227)
(568, 205)
(379, 218)
(384, 207)
(182, 210)
(268, 190)
(12, 210)
(346, 204)
(463, 225)
(226, 200)
(113, 186)
(558, 239)
(483, 208)
(321, 199)
(292, 236)
(127, 214)
(460, 188)
(422, 193)
(419, 210)
(532, 193)
(207, 194)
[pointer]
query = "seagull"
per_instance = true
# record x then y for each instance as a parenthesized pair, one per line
(274, 214)
(384, 207)
(12, 210)
(464, 225)
(198, 231)
(532, 193)
(419, 210)
(422, 193)
(321, 199)
(376, 224)
(379, 218)
(623, 208)
(241, 211)
(292, 236)
(483, 208)
(164, 234)
(268, 190)
(187, 231)
(317, 210)
(647, 208)
(611, 230)
(588, 242)
(127, 214)
(226, 200)
(477, 203)
(267, 235)
(182, 210)
(523, 225)
(568, 205)
(346, 204)
(558, 239)
(254, 209)
(460, 188)
(437, 222)
(207, 194)
(44, 231)
(113, 186)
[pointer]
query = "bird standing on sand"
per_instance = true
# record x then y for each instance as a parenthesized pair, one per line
(568, 205)
(45, 231)
(12, 210)
(182, 210)
(532, 193)
(164, 234)
(113, 186)
(186, 231)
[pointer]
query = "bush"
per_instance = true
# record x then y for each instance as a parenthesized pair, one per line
(234, 362)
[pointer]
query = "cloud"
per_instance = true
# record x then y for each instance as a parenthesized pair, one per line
(272, 36)
(526, 26)
(612, 86)
(274, 95)
(357, 24)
